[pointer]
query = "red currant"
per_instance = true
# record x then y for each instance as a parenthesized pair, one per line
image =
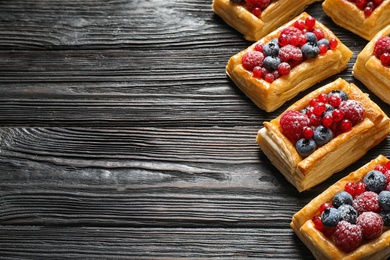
(327, 120)
(257, 72)
(318, 223)
(334, 100)
(345, 125)
(361, 4)
(300, 24)
(308, 132)
(387, 165)
(259, 47)
(269, 77)
(319, 108)
(333, 44)
(323, 49)
(337, 115)
(367, 11)
(385, 59)
(310, 22)
(325, 206)
(377, 2)
(256, 11)
(284, 68)
(318, 33)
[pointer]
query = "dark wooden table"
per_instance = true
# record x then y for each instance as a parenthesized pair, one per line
(122, 137)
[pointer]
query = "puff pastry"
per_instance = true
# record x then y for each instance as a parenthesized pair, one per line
(346, 14)
(253, 28)
(369, 70)
(321, 246)
(307, 172)
(270, 96)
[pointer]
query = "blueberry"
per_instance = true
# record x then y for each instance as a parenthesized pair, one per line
(375, 181)
(323, 41)
(384, 200)
(343, 94)
(341, 198)
(386, 217)
(322, 135)
(348, 213)
(310, 50)
(305, 146)
(330, 217)
(271, 62)
(311, 37)
(271, 49)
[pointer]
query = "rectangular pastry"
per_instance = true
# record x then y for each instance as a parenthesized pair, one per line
(255, 19)
(305, 143)
(364, 18)
(372, 65)
(287, 61)
(350, 219)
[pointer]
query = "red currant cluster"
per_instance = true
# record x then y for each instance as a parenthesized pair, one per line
(359, 212)
(382, 50)
(294, 45)
(368, 6)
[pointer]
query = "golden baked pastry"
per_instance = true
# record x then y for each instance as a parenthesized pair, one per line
(370, 71)
(322, 246)
(346, 14)
(238, 16)
(306, 172)
(271, 95)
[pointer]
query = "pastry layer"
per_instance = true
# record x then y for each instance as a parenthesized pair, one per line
(318, 243)
(253, 28)
(270, 96)
(369, 70)
(346, 14)
(305, 173)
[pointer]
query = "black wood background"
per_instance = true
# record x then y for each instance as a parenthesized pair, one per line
(122, 137)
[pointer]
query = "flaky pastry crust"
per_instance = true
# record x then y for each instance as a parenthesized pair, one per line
(370, 71)
(321, 246)
(347, 15)
(253, 28)
(305, 173)
(270, 96)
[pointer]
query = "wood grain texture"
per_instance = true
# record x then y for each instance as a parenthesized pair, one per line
(122, 137)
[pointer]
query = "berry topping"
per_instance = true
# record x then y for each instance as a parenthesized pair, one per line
(352, 110)
(384, 200)
(348, 213)
(371, 224)
(347, 236)
(271, 62)
(322, 135)
(367, 201)
(262, 4)
(292, 123)
(290, 53)
(305, 146)
(375, 181)
(310, 50)
(252, 59)
(330, 217)
(341, 198)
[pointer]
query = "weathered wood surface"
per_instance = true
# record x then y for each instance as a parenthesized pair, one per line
(122, 137)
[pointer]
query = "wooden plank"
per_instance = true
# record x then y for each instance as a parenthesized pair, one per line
(148, 243)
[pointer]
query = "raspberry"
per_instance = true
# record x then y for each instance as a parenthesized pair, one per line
(367, 201)
(382, 45)
(262, 4)
(291, 31)
(347, 236)
(371, 224)
(292, 123)
(352, 110)
(252, 59)
(290, 53)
